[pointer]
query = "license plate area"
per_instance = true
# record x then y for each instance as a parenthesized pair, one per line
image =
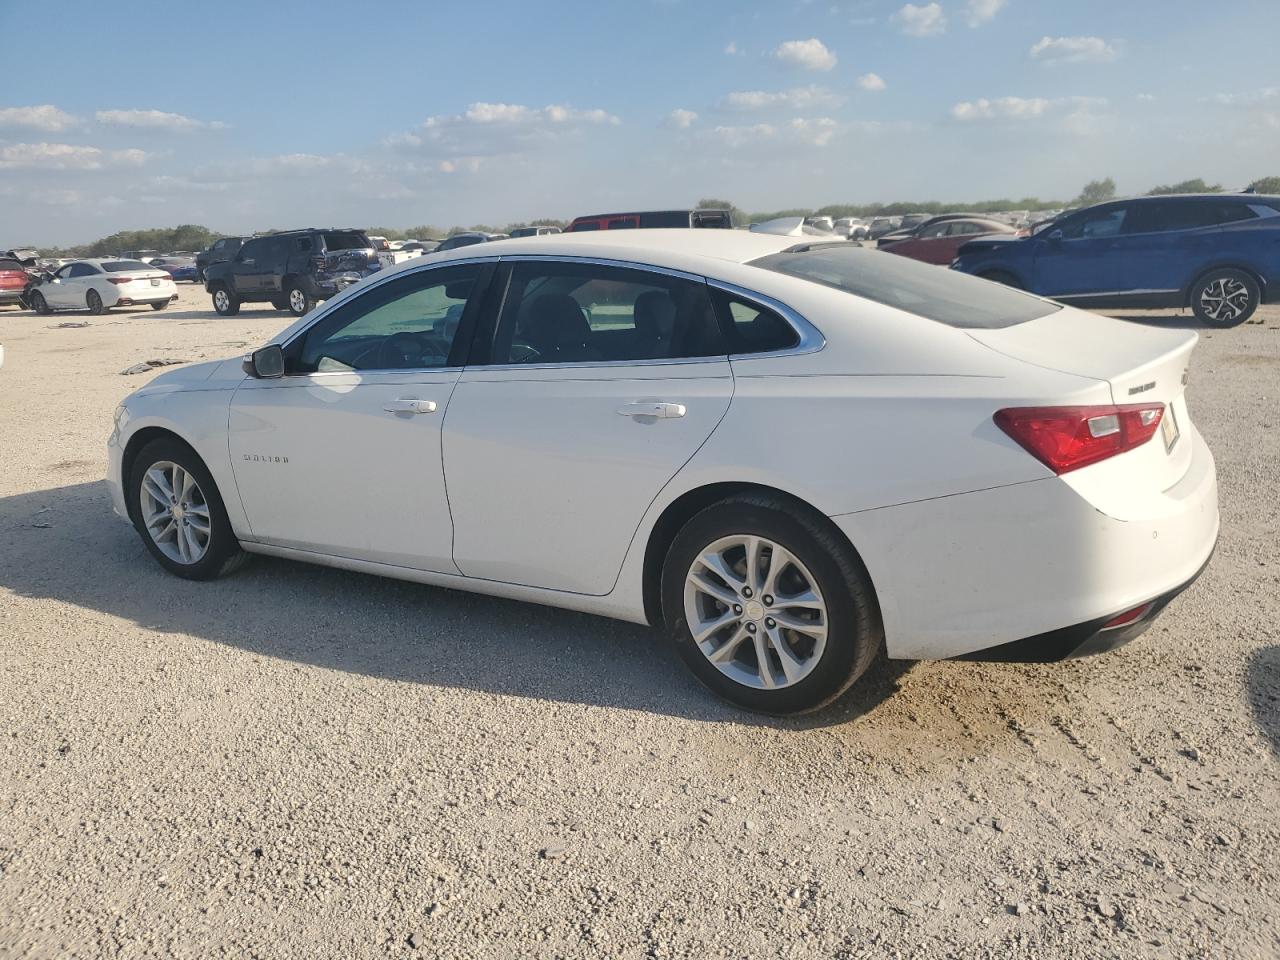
(155, 281)
(1169, 431)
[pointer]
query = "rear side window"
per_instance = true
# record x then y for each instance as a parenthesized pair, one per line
(84, 270)
(946, 296)
(584, 313)
(752, 327)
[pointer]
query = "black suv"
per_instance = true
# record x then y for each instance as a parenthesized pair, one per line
(291, 270)
(218, 252)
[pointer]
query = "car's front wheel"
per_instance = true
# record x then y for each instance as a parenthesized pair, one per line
(769, 606)
(226, 303)
(179, 514)
(39, 304)
(1225, 298)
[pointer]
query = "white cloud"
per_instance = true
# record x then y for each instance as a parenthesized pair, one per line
(681, 119)
(740, 136)
(811, 54)
(1074, 114)
(154, 120)
(515, 114)
(871, 81)
(45, 117)
(1243, 99)
(921, 21)
(817, 132)
(66, 156)
(731, 48)
(1073, 50)
(1146, 97)
(978, 12)
(797, 98)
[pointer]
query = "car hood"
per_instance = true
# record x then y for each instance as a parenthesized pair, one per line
(210, 375)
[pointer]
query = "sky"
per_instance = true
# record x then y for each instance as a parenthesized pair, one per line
(272, 115)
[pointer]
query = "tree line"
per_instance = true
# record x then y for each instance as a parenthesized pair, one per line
(190, 236)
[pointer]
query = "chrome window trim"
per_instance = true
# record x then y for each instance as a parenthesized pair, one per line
(329, 307)
(811, 338)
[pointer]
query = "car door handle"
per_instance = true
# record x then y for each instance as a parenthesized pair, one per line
(655, 409)
(409, 405)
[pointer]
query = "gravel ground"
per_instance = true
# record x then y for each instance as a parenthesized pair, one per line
(304, 762)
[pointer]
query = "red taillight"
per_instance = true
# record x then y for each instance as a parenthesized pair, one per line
(119, 280)
(1068, 438)
(1128, 617)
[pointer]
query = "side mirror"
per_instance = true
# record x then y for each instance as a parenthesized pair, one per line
(266, 363)
(1054, 236)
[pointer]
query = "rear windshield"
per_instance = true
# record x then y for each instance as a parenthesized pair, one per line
(345, 240)
(936, 293)
(10, 264)
(120, 266)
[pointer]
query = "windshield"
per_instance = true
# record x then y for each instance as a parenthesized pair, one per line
(120, 266)
(956, 299)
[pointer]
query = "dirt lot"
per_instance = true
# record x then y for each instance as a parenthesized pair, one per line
(303, 762)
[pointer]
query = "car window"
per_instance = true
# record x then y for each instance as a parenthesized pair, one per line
(937, 230)
(251, 250)
(219, 244)
(753, 327)
(406, 324)
(1095, 225)
(945, 296)
(346, 240)
(67, 272)
(585, 313)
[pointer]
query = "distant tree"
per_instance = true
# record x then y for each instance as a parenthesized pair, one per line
(1186, 186)
(1266, 185)
(710, 203)
(1096, 191)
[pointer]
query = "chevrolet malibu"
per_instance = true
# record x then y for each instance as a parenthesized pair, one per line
(791, 455)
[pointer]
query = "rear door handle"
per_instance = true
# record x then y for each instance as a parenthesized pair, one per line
(409, 405)
(653, 409)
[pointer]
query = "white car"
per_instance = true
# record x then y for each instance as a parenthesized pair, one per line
(792, 455)
(99, 284)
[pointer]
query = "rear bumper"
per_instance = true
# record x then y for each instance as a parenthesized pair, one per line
(8, 297)
(1032, 563)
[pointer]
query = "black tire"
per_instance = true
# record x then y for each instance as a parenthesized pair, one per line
(280, 303)
(93, 300)
(160, 306)
(1225, 297)
(226, 303)
(999, 276)
(39, 304)
(222, 554)
(855, 635)
(200, 277)
(299, 302)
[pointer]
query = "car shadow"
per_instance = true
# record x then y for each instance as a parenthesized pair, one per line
(65, 544)
(1263, 682)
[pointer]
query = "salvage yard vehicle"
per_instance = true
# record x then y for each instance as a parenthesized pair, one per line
(792, 455)
(180, 268)
(218, 252)
(98, 284)
(937, 243)
(13, 283)
(653, 219)
(1216, 253)
(292, 270)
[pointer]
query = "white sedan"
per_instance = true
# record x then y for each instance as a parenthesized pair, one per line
(98, 284)
(792, 455)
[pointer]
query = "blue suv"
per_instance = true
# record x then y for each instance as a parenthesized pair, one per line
(1217, 253)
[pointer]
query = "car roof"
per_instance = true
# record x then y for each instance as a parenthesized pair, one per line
(677, 248)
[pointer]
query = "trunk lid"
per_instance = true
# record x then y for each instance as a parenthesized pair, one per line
(1143, 365)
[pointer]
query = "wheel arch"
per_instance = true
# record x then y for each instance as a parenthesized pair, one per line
(134, 446)
(683, 508)
(1252, 271)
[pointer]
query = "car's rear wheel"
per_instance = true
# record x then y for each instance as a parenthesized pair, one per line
(39, 304)
(1225, 297)
(226, 303)
(280, 303)
(160, 306)
(300, 302)
(93, 301)
(179, 514)
(769, 606)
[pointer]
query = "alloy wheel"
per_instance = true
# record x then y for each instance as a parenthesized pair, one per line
(297, 300)
(175, 512)
(220, 300)
(1224, 299)
(755, 612)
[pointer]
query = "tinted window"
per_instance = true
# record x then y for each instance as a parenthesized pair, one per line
(1095, 224)
(345, 240)
(252, 249)
(586, 225)
(79, 270)
(579, 313)
(663, 218)
(120, 266)
(219, 244)
(946, 296)
(304, 244)
(407, 324)
(753, 327)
